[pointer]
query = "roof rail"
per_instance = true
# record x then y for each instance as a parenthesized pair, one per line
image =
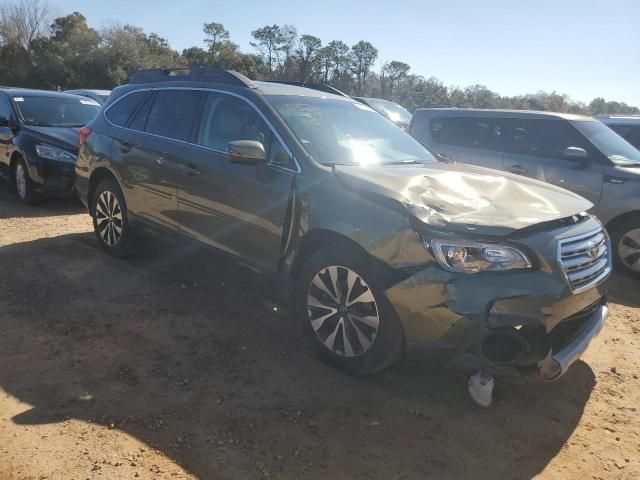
(191, 74)
(323, 87)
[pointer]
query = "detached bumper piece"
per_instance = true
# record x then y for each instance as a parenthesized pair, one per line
(591, 325)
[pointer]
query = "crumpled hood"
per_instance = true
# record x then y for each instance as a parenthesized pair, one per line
(466, 197)
(64, 137)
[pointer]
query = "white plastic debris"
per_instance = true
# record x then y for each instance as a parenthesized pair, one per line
(481, 388)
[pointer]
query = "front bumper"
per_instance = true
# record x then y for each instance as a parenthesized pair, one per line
(562, 360)
(53, 178)
(520, 324)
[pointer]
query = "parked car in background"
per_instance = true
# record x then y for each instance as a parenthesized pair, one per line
(370, 240)
(39, 139)
(99, 96)
(570, 151)
(394, 112)
(628, 127)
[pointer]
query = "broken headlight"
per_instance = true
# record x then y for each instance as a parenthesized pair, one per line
(473, 257)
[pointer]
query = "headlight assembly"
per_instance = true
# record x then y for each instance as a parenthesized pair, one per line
(54, 153)
(473, 257)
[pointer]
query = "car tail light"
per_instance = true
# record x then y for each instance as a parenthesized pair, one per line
(84, 133)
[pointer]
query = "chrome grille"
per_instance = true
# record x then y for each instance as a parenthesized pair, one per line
(585, 259)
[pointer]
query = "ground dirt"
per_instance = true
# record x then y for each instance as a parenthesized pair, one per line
(165, 365)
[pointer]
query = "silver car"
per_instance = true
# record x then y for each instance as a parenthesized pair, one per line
(578, 153)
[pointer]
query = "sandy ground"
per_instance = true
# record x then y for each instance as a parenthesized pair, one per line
(168, 365)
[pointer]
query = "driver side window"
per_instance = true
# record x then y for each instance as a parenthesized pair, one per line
(226, 118)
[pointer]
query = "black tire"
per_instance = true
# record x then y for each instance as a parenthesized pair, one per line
(388, 343)
(114, 239)
(620, 239)
(25, 189)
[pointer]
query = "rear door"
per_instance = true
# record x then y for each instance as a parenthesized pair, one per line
(536, 149)
(472, 140)
(237, 208)
(148, 152)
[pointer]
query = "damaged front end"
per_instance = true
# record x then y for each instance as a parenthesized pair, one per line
(529, 322)
(504, 272)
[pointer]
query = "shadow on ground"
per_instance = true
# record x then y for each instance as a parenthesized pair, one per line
(11, 206)
(165, 348)
(624, 290)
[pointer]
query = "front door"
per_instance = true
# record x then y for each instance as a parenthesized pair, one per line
(237, 208)
(535, 149)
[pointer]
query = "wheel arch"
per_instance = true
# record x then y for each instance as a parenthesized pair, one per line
(97, 176)
(15, 156)
(614, 222)
(317, 239)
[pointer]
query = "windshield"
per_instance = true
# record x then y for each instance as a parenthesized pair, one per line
(393, 111)
(346, 132)
(56, 111)
(616, 148)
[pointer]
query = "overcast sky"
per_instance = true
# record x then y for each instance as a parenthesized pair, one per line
(584, 48)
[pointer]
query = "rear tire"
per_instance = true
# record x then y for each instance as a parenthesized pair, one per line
(25, 189)
(110, 219)
(625, 241)
(341, 306)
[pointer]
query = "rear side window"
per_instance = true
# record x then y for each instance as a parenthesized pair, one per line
(469, 132)
(173, 113)
(545, 138)
(139, 120)
(120, 112)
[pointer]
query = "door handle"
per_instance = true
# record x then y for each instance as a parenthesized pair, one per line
(517, 169)
(191, 170)
(125, 147)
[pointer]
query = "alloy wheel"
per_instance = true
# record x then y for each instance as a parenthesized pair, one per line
(109, 218)
(629, 249)
(343, 311)
(21, 181)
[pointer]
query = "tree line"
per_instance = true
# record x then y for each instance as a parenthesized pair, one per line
(39, 51)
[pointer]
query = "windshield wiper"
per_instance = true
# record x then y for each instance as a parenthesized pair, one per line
(403, 162)
(627, 165)
(39, 124)
(335, 164)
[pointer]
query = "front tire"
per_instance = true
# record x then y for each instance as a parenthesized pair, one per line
(625, 239)
(110, 220)
(341, 307)
(23, 183)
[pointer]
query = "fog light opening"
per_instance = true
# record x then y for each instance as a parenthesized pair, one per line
(502, 348)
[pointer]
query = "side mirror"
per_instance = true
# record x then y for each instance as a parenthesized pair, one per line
(9, 123)
(575, 153)
(249, 152)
